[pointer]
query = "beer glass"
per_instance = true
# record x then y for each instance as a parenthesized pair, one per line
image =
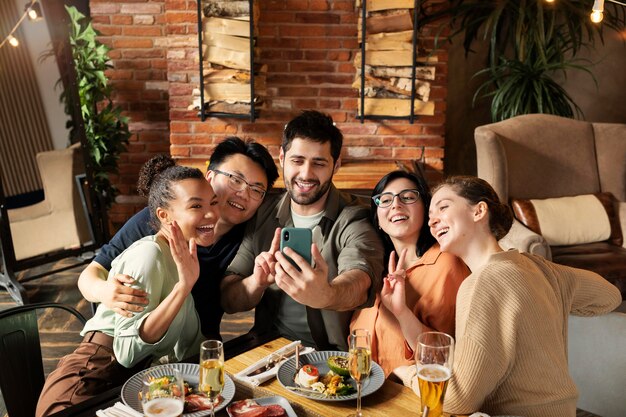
(434, 354)
(212, 370)
(360, 362)
(163, 393)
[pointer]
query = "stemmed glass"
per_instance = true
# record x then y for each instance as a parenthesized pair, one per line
(360, 362)
(212, 370)
(163, 393)
(434, 355)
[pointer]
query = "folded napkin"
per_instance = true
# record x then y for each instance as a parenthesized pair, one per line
(278, 355)
(118, 410)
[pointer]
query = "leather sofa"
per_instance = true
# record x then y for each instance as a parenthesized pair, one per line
(537, 157)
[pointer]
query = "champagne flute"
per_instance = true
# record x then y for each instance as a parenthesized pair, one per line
(434, 354)
(163, 393)
(212, 370)
(360, 362)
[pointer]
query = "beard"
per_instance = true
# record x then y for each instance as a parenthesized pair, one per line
(310, 197)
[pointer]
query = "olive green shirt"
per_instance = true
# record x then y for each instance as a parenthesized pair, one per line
(349, 242)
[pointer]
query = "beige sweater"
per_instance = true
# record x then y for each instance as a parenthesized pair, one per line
(511, 332)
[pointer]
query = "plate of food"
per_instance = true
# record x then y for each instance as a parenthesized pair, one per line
(196, 403)
(261, 407)
(324, 376)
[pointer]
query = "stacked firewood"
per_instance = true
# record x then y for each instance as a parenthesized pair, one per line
(226, 58)
(389, 61)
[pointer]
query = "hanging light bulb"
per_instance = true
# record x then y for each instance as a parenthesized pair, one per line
(13, 41)
(597, 11)
(34, 11)
(549, 1)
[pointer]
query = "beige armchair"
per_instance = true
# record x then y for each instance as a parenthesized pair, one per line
(58, 222)
(543, 156)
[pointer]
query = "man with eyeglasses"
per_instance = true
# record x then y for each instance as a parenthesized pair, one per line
(240, 173)
(311, 303)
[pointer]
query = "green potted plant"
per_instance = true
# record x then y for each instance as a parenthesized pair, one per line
(529, 41)
(106, 129)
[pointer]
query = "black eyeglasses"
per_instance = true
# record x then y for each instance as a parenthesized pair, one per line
(236, 183)
(406, 197)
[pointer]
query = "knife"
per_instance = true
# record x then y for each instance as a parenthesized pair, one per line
(273, 360)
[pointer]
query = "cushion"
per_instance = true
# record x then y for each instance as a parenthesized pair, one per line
(571, 220)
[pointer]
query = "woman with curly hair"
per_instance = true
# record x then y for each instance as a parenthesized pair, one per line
(183, 208)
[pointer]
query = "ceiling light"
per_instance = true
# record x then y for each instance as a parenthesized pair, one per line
(13, 41)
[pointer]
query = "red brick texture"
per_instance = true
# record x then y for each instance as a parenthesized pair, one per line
(308, 46)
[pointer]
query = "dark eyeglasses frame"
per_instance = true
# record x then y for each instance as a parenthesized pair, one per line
(234, 177)
(376, 198)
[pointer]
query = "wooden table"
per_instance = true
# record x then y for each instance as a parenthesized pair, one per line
(390, 400)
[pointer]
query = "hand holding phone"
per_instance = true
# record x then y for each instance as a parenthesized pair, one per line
(299, 240)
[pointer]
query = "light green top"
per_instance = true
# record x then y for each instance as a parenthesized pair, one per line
(150, 262)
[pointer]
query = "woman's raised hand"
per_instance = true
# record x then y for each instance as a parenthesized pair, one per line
(393, 293)
(185, 255)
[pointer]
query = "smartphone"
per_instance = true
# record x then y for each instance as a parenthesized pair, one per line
(298, 239)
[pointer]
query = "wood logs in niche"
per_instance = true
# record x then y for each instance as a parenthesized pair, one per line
(226, 58)
(389, 61)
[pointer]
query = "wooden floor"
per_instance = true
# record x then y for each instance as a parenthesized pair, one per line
(59, 331)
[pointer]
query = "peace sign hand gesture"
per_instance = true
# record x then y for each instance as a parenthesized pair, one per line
(393, 294)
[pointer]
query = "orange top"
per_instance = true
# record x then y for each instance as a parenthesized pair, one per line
(431, 287)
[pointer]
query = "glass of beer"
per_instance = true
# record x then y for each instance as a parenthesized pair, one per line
(434, 354)
(360, 362)
(212, 370)
(163, 393)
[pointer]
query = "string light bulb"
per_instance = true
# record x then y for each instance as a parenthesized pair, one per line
(13, 41)
(597, 11)
(34, 11)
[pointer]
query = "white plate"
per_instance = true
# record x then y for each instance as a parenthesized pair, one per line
(287, 370)
(274, 400)
(191, 375)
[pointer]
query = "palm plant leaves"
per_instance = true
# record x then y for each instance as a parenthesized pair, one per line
(529, 40)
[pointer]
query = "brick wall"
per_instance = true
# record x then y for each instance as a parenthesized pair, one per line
(308, 46)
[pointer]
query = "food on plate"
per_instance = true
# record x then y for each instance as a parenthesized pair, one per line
(339, 365)
(308, 375)
(250, 408)
(199, 402)
(328, 385)
(194, 401)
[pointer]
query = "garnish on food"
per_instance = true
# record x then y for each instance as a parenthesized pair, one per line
(339, 365)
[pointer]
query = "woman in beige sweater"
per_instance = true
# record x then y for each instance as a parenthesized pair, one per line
(512, 311)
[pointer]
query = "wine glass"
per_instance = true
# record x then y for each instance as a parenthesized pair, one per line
(360, 362)
(162, 393)
(434, 354)
(212, 370)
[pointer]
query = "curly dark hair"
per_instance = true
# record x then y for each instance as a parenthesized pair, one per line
(315, 126)
(155, 182)
(475, 190)
(425, 239)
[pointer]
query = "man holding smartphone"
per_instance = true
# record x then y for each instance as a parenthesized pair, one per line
(312, 303)
(240, 172)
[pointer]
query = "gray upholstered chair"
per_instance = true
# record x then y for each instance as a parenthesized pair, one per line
(541, 156)
(597, 362)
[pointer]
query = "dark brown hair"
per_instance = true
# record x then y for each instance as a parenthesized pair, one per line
(475, 190)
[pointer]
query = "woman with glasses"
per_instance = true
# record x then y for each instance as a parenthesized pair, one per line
(430, 278)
